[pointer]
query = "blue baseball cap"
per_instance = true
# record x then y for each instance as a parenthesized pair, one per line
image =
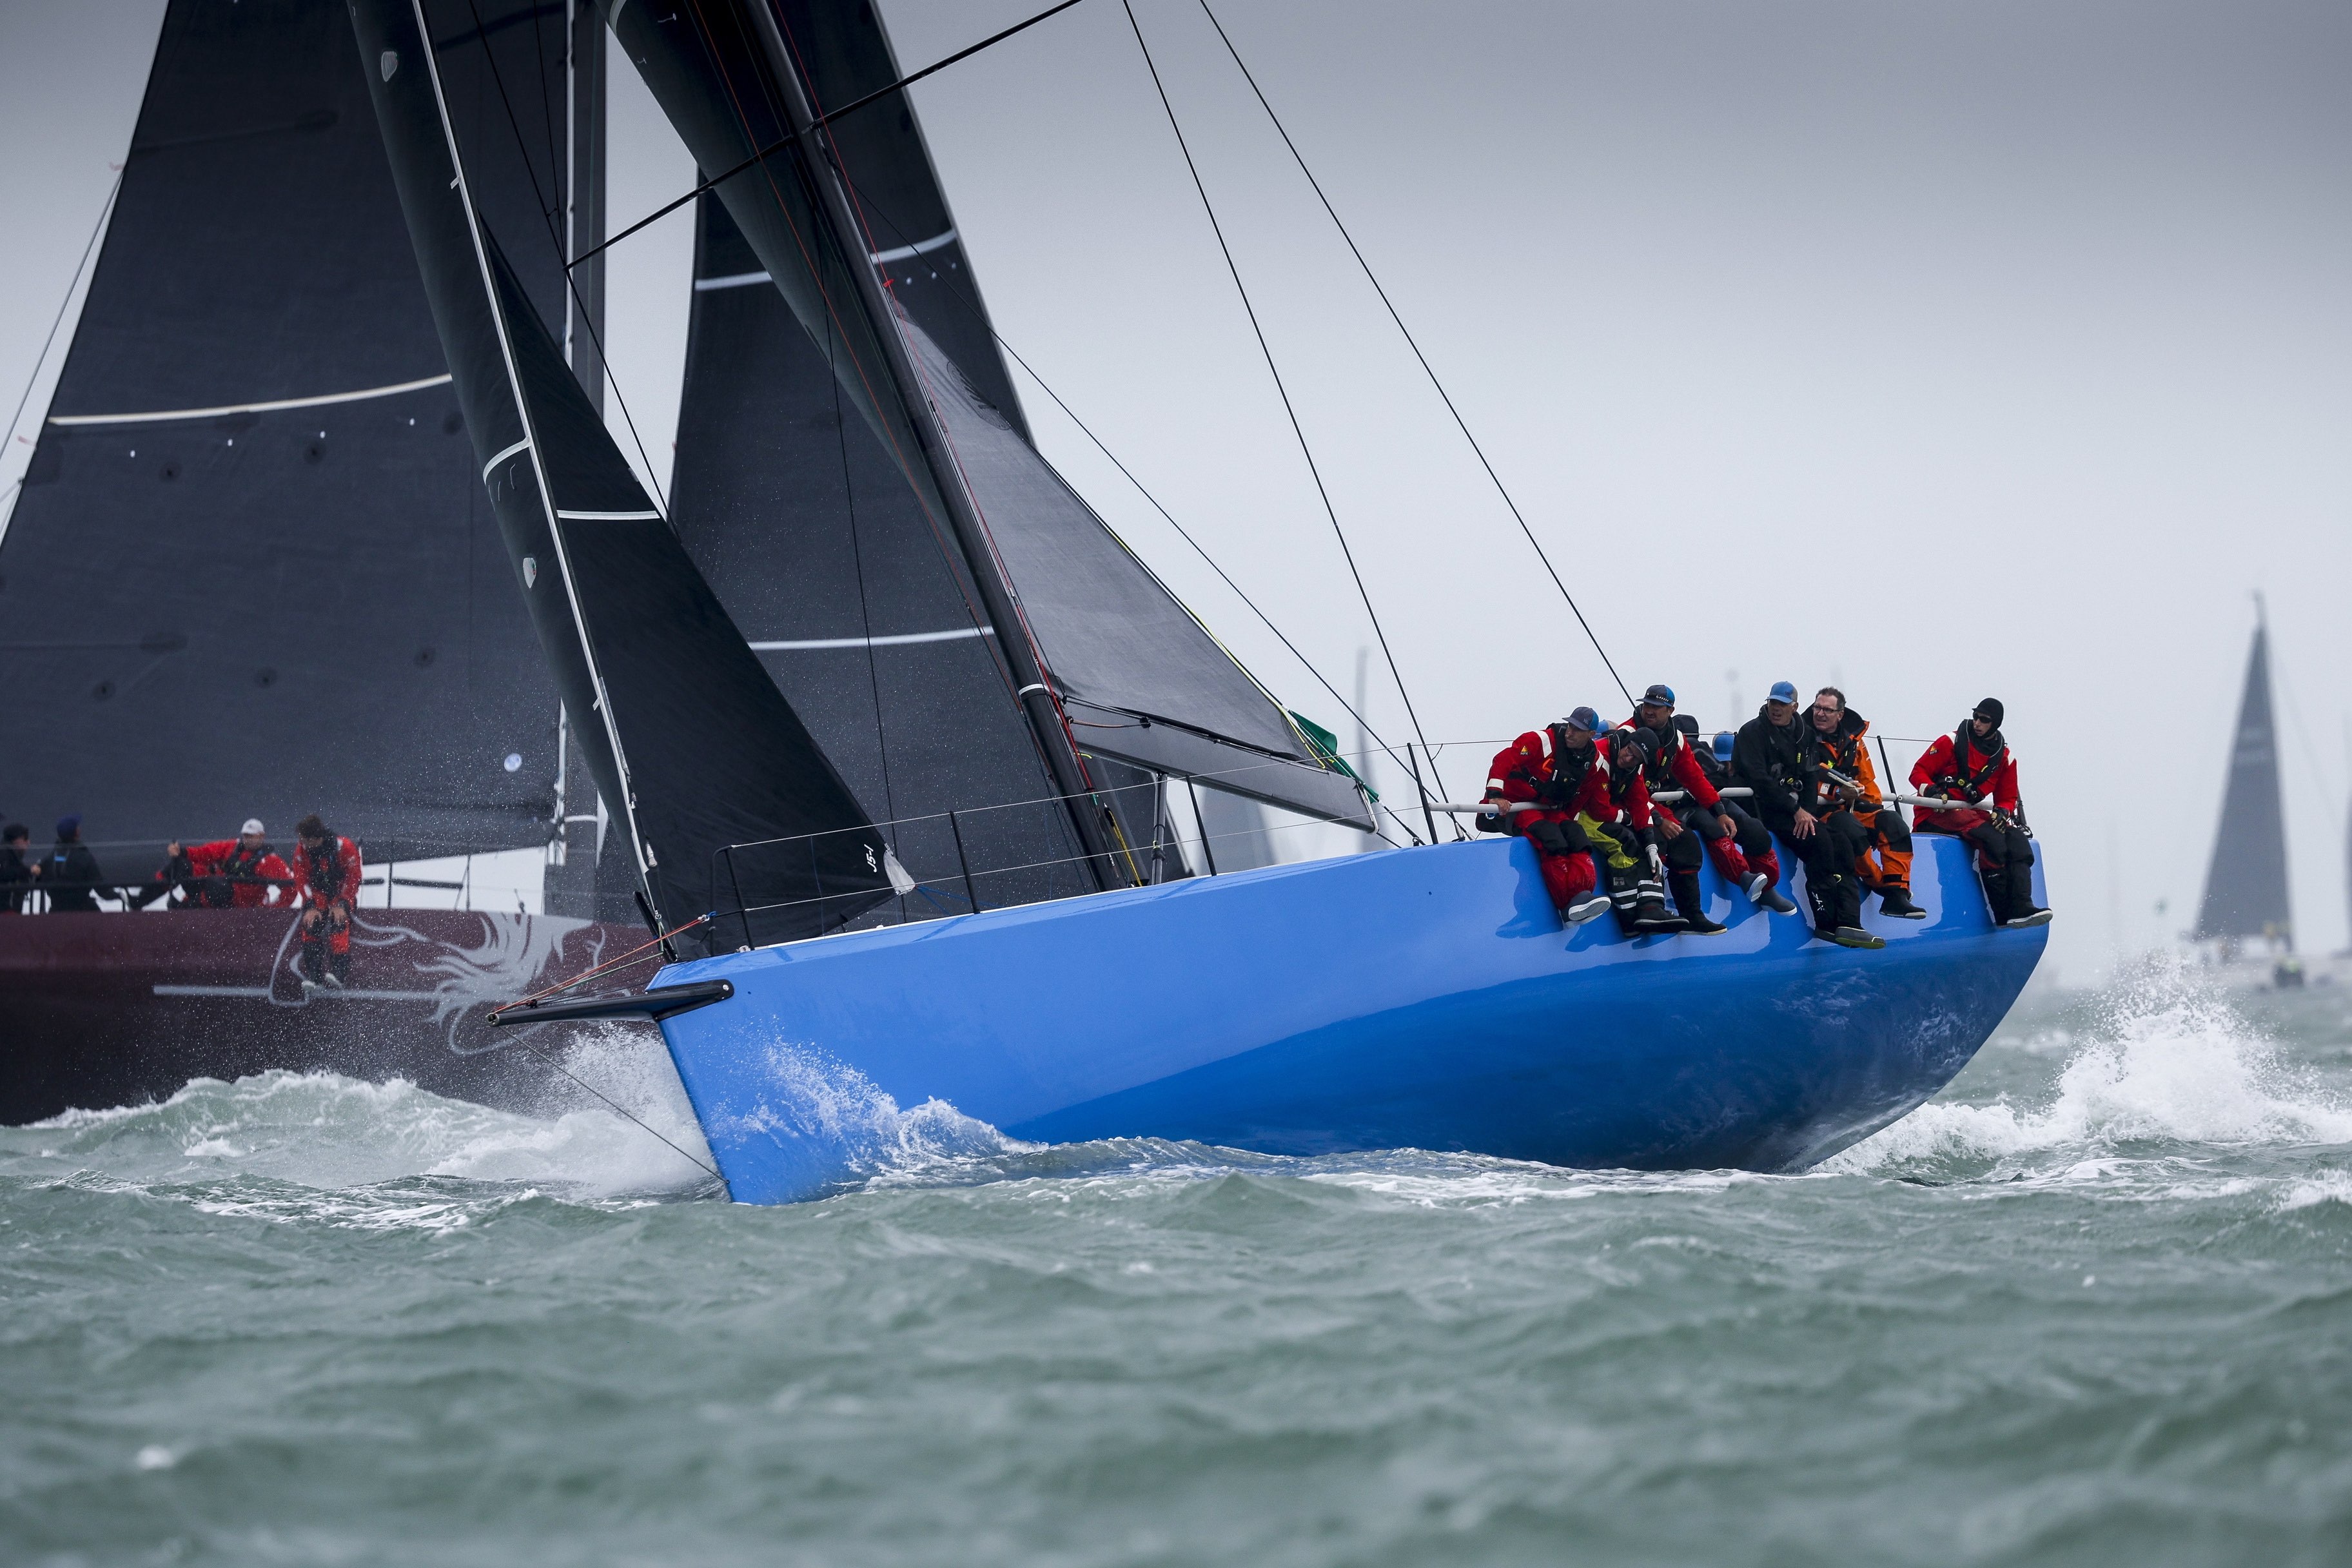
(1725, 741)
(1586, 720)
(1784, 691)
(1660, 693)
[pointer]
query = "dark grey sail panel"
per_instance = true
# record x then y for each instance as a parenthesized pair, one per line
(1149, 682)
(2246, 883)
(860, 608)
(243, 609)
(1107, 633)
(691, 743)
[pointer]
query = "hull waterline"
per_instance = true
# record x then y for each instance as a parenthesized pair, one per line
(1425, 997)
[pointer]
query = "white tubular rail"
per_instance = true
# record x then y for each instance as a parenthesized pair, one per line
(1489, 807)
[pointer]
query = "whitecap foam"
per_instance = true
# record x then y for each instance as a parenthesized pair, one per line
(324, 1131)
(2170, 1063)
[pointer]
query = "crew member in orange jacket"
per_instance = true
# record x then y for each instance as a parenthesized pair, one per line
(327, 870)
(1973, 767)
(1837, 740)
(1522, 771)
(240, 873)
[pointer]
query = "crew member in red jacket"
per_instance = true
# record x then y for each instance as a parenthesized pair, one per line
(327, 867)
(1613, 808)
(1698, 818)
(240, 873)
(1522, 771)
(1972, 766)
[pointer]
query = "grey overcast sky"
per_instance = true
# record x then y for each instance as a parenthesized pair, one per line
(1936, 350)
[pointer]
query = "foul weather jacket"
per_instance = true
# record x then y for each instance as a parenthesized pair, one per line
(1768, 759)
(1975, 775)
(330, 873)
(1676, 767)
(252, 876)
(71, 879)
(1844, 751)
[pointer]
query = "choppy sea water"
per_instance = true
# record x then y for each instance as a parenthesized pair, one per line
(2093, 1305)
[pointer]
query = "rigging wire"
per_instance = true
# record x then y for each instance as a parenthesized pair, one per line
(555, 238)
(1298, 431)
(105, 207)
(900, 231)
(786, 140)
(1406, 332)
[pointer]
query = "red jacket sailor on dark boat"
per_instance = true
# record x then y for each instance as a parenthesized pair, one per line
(326, 866)
(240, 873)
(1973, 765)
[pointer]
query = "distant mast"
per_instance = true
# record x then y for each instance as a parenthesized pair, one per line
(2245, 883)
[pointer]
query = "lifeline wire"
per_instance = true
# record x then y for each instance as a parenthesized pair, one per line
(1459, 422)
(1284, 392)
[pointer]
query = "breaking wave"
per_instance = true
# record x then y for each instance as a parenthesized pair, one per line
(324, 1132)
(2165, 1067)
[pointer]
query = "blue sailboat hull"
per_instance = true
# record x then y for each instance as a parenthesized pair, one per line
(1424, 997)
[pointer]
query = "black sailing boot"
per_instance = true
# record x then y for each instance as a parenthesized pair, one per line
(1650, 917)
(1692, 903)
(1895, 899)
(2024, 913)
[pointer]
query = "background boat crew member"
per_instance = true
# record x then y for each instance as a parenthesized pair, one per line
(1769, 758)
(1970, 766)
(327, 871)
(1836, 742)
(16, 876)
(243, 872)
(1521, 772)
(70, 873)
(1753, 839)
(1682, 829)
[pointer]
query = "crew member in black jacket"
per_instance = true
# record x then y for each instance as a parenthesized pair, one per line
(1769, 758)
(70, 875)
(15, 877)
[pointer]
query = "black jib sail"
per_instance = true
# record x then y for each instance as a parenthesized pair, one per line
(861, 610)
(691, 745)
(2246, 885)
(252, 571)
(849, 223)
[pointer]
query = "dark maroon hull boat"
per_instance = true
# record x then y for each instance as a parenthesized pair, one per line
(103, 1010)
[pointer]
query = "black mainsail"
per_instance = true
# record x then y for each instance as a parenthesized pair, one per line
(2246, 883)
(849, 223)
(691, 745)
(252, 571)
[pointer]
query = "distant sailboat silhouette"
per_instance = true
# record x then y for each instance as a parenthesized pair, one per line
(2245, 882)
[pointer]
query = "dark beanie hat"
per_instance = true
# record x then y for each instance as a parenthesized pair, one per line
(1688, 725)
(1991, 707)
(310, 828)
(69, 825)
